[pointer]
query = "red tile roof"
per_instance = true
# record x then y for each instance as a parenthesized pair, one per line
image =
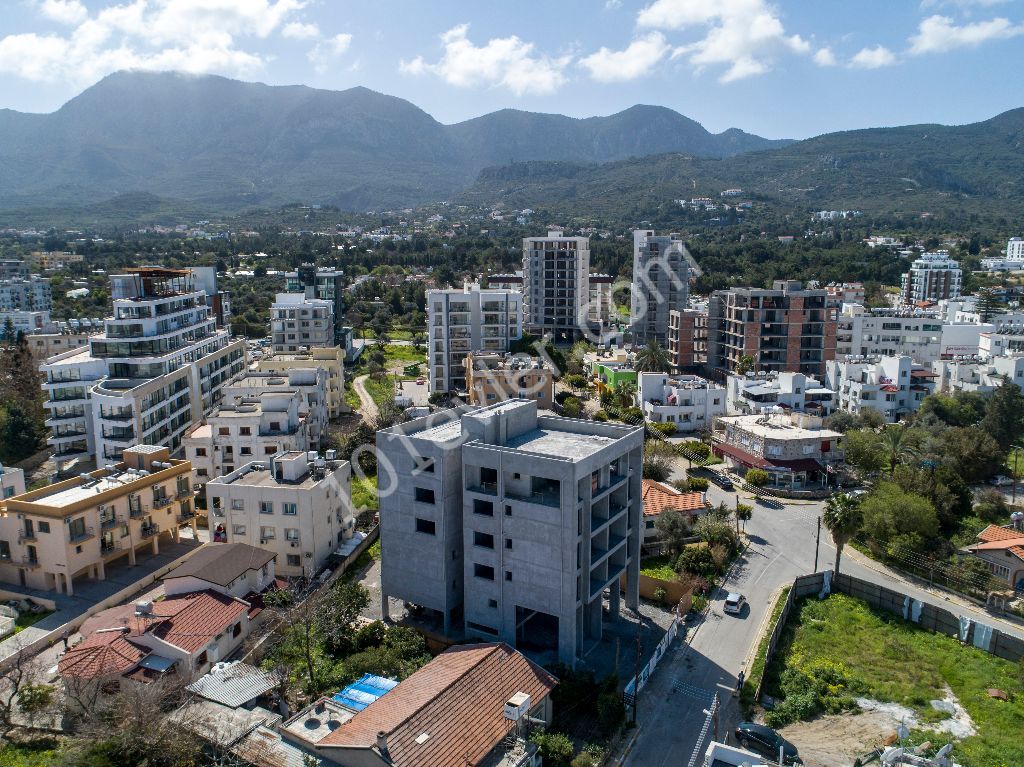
(190, 621)
(998, 533)
(658, 497)
(453, 706)
(996, 538)
(101, 654)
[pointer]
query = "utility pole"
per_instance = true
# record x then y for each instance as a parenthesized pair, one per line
(737, 515)
(817, 543)
(1013, 479)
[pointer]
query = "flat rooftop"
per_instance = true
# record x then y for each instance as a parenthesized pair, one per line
(445, 432)
(559, 444)
(777, 427)
(66, 496)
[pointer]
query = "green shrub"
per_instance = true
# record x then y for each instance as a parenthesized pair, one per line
(698, 484)
(697, 560)
(668, 429)
(696, 448)
(555, 748)
(700, 602)
(660, 594)
(757, 477)
(601, 416)
(631, 415)
(611, 712)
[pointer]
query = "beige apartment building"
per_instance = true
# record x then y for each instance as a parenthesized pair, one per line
(330, 358)
(492, 377)
(75, 528)
(297, 505)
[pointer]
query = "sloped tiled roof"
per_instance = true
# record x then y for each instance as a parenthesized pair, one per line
(450, 711)
(997, 533)
(221, 563)
(190, 621)
(658, 497)
(996, 538)
(101, 654)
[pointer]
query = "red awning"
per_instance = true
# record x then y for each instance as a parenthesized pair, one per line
(745, 458)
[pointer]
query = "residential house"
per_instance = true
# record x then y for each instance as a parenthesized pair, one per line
(796, 392)
(690, 402)
(492, 377)
(330, 358)
(1002, 550)
(659, 498)
(893, 386)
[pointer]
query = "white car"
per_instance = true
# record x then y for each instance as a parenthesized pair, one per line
(734, 603)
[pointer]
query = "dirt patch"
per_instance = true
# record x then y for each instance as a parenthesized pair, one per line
(839, 739)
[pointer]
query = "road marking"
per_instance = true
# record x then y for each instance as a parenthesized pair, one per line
(759, 577)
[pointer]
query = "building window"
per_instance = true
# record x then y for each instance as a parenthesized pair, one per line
(508, 544)
(424, 495)
(237, 504)
(484, 540)
(201, 473)
(245, 450)
(289, 509)
(508, 511)
(425, 465)
(426, 526)
(238, 529)
(269, 450)
(492, 602)
(266, 507)
(236, 630)
(244, 431)
(201, 452)
(293, 560)
(223, 431)
(483, 508)
(483, 571)
(291, 534)
(508, 575)
(481, 628)
(268, 533)
(43, 527)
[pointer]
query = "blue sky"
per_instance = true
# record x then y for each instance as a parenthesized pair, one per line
(790, 68)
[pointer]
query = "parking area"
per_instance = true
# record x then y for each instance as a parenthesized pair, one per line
(417, 393)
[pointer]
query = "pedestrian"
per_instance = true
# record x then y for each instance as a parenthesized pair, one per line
(739, 680)
(66, 636)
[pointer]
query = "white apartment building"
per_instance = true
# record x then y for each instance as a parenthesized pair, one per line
(894, 386)
(1005, 339)
(602, 306)
(976, 374)
(330, 359)
(310, 383)
(507, 525)
(28, 294)
(472, 319)
(159, 365)
(688, 401)
(295, 504)
(932, 277)
(796, 392)
(1012, 261)
(919, 334)
(12, 481)
(661, 284)
(298, 322)
(556, 287)
(250, 429)
(25, 321)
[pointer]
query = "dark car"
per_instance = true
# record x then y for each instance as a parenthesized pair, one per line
(765, 742)
(721, 480)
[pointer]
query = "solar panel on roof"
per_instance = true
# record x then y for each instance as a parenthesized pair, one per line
(361, 694)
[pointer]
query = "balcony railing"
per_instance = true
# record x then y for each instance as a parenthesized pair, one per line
(136, 512)
(108, 547)
(185, 516)
(108, 522)
(148, 531)
(25, 535)
(28, 561)
(81, 535)
(159, 503)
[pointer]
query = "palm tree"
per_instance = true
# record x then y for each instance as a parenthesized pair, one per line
(843, 518)
(899, 442)
(652, 359)
(625, 394)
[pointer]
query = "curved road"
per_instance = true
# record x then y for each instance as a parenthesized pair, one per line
(367, 406)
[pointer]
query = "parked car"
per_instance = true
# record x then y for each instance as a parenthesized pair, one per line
(721, 480)
(734, 603)
(765, 742)
(1000, 480)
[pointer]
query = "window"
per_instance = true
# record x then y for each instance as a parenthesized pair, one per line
(228, 450)
(244, 431)
(236, 630)
(228, 468)
(43, 527)
(237, 504)
(484, 540)
(245, 450)
(201, 451)
(293, 560)
(223, 431)
(201, 473)
(424, 495)
(289, 509)
(426, 526)
(508, 544)
(275, 426)
(291, 534)
(508, 511)
(238, 529)
(508, 575)
(492, 602)
(266, 507)
(483, 508)
(483, 571)
(268, 533)
(269, 450)
(425, 465)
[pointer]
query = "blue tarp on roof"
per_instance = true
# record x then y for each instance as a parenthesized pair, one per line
(361, 694)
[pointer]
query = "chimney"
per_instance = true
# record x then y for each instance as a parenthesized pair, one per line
(382, 744)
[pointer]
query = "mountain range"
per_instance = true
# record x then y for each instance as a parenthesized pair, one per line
(229, 144)
(211, 143)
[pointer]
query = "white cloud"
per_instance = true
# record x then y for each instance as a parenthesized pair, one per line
(938, 34)
(824, 57)
(506, 62)
(746, 36)
(873, 58)
(64, 11)
(195, 36)
(612, 4)
(324, 53)
(296, 30)
(608, 66)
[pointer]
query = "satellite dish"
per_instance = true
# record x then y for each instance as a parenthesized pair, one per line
(944, 751)
(903, 732)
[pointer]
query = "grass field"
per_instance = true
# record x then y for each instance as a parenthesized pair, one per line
(756, 670)
(41, 754)
(658, 567)
(888, 659)
(25, 620)
(364, 493)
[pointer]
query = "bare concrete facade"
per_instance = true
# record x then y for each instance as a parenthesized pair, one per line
(512, 525)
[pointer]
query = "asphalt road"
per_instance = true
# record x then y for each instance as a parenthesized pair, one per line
(782, 544)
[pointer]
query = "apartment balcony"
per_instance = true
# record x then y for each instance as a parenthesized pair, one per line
(82, 535)
(185, 516)
(615, 572)
(27, 561)
(55, 419)
(67, 451)
(598, 555)
(24, 536)
(108, 522)
(485, 488)
(159, 503)
(138, 512)
(117, 415)
(148, 531)
(538, 497)
(67, 432)
(109, 547)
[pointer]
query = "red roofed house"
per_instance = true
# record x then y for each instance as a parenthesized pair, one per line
(459, 709)
(1002, 549)
(659, 497)
(183, 634)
